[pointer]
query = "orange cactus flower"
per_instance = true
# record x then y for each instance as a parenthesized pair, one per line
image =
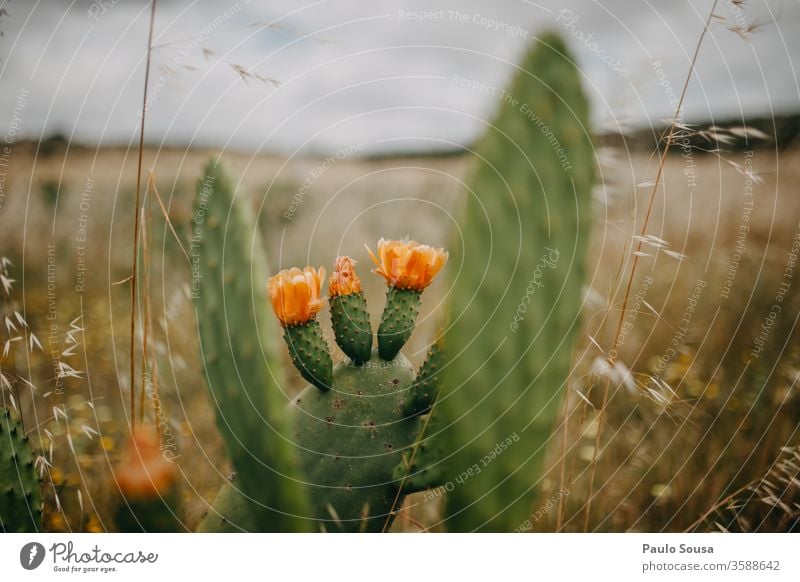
(344, 280)
(295, 294)
(145, 472)
(408, 264)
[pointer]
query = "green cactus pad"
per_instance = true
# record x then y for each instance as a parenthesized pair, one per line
(398, 320)
(349, 441)
(230, 512)
(309, 352)
(426, 386)
(351, 326)
(517, 300)
(239, 345)
(20, 487)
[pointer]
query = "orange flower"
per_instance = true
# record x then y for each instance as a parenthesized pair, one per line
(344, 280)
(145, 472)
(295, 294)
(408, 264)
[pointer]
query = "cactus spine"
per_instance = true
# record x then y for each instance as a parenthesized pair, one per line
(20, 487)
(238, 351)
(516, 303)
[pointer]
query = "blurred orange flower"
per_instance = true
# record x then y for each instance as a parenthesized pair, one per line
(408, 264)
(295, 294)
(344, 280)
(145, 472)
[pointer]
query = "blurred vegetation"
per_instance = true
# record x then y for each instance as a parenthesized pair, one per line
(702, 448)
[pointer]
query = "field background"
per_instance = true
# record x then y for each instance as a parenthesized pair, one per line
(668, 454)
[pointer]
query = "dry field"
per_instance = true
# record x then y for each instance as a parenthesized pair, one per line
(704, 403)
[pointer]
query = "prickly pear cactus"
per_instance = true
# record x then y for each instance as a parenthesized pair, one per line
(230, 512)
(350, 439)
(20, 488)
(352, 434)
(354, 423)
(516, 302)
(237, 341)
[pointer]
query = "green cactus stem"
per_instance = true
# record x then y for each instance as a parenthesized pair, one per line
(351, 326)
(398, 320)
(429, 379)
(230, 512)
(20, 486)
(238, 343)
(350, 439)
(309, 352)
(516, 303)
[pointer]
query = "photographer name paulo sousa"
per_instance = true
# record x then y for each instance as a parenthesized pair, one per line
(679, 549)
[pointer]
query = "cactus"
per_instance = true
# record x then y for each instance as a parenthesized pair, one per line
(397, 322)
(230, 512)
(514, 311)
(20, 487)
(516, 302)
(350, 439)
(407, 267)
(426, 386)
(238, 350)
(349, 314)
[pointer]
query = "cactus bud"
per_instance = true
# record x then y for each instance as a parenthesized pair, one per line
(408, 267)
(296, 300)
(349, 313)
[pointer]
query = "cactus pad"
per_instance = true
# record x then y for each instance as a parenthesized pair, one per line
(351, 326)
(398, 320)
(350, 439)
(309, 353)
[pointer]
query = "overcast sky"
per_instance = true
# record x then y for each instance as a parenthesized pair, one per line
(332, 74)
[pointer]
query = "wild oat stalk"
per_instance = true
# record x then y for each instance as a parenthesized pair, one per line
(137, 217)
(637, 253)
